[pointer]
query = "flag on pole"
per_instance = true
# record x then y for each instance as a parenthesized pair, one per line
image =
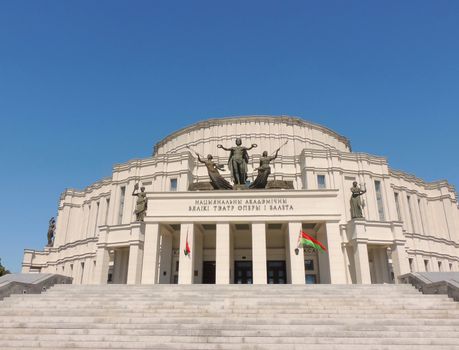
(305, 240)
(187, 250)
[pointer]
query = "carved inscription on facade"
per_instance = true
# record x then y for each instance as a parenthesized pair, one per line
(241, 205)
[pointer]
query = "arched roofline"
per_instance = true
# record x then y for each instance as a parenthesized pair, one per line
(268, 118)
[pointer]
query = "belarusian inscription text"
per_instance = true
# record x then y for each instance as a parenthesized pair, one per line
(244, 205)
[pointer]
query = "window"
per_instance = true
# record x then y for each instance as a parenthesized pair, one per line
(121, 207)
(173, 185)
(107, 201)
(82, 273)
(397, 205)
(321, 181)
(411, 213)
(426, 265)
(450, 266)
(410, 261)
(88, 217)
(439, 266)
(309, 265)
(379, 200)
(97, 218)
(420, 214)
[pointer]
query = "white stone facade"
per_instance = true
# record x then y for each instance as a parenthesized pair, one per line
(250, 236)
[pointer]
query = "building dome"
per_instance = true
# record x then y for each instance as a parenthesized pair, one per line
(268, 132)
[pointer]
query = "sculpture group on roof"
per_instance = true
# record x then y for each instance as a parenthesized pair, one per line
(237, 165)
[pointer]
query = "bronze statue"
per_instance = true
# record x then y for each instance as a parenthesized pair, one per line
(356, 202)
(51, 232)
(237, 162)
(217, 181)
(141, 205)
(263, 170)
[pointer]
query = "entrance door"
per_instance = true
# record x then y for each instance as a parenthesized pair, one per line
(208, 272)
(276, 272)
(243, 272)
(311, 269)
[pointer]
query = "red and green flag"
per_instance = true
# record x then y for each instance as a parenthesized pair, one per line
(187, 250)
(305, 240)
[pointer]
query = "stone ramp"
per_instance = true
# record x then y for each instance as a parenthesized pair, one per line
(230, 317)
(29, 283)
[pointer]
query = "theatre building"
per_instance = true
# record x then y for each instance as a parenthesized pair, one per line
(193, 232)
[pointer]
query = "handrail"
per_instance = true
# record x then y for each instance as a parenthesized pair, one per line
(18, 283)
(449, 287)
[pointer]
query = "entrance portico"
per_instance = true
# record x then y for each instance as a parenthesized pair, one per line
(240, 237)
(248, 237)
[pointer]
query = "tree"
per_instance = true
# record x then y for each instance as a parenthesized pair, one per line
(3, 270)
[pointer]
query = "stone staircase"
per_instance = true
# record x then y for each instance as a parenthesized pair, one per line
(324, 317)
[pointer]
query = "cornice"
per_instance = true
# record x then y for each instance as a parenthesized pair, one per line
(422, 195)
(355, 156)
(81, 193)
(415, 252)
(431, 238)
(135, 163)
(434, 185)
(345, 172)
(77, 243)
(289, 120)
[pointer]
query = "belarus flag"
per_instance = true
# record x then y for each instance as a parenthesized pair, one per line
(306, 240)
(187, 250)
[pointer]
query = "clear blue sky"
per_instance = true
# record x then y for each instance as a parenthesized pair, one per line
(87, 84)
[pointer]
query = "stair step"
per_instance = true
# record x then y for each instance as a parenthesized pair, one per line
(319, 317)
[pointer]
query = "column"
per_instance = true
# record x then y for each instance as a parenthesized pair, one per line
(129, 203)
(371, 209)
(447, 207)
(84, 222)
(151, 254)
(260, 274)
(335, 253)
(77, 272)
(419, 263)
(135, 264)
(296, 260)
(362, 265)
(165, 263)
(400, 261)
(198, 254)
(120, 265)
(88, 270)
(434, 264)
(186, 262)
(222, 253)
(101, 269)
(61, 226)
(381, 265)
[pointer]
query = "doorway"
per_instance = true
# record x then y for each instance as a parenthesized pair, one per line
(208, 272)
(243, 272)
(311, 269)
(277, 272)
